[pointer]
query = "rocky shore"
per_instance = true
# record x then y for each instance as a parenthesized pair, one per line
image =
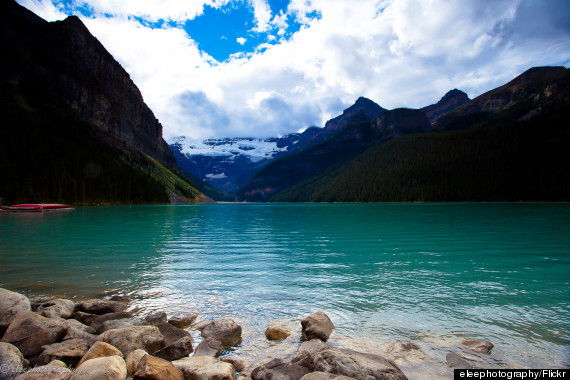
(100, 339)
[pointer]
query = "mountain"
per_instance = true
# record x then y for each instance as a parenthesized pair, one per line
(73, 114)
(229, 163)
(358, 135)
(450, 101)
(510, 144)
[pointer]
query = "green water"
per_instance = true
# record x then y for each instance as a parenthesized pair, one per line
(426, 272)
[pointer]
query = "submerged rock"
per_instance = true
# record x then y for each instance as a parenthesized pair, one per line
(205, 368)
(30, 331)
(108, 368)
(317, 325)
(129, 339)
(401, 346)
(456, 361)
(225, 330)
(478, 345)
(276, 333)
(11, 303)
(57, 308)
(12, 360)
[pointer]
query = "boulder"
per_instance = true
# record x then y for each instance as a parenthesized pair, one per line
(201, 324)
(235, 361)
(114, 324)
(317, 325)
(133, 361)
(478, 345)
(120, 298)
(74, 333)
(312, 346)
(325, 376)
(153, 368)
(99, 350)
(101, 306)
(361, 366)
(57, 308)
(209, 347)
(171, 333)
(104, 368)
(11, 361)
(85, 318)
(177, 350)
(399, 347)
(30, 331)
(70, 352)
(98, 321)
(11, 303)
(56, 370)
(276, 333)
(129, 339)
(182, 320)
(205, 368)
(72, 323)
(456, 361)
(279, 369)
(156, 318)
(225, 330)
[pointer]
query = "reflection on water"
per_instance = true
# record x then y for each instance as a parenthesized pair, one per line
(382, 272)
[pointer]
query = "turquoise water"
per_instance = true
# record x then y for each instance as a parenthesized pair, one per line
(381, 271)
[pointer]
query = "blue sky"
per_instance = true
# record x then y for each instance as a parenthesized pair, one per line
(262, 68)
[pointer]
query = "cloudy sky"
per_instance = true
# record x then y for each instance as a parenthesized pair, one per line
(261, 68)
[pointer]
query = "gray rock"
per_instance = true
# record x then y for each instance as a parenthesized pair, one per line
(133, 361)
(57, 308)
(182, 320)
(147, 338)
(312, 346)
(478, 345)
(279, 369)
(361, 366)
(30, 331)
(177, 350)
(85, 318)
(235, 361)
(456, 361)
(97, 322)
(56, 370)
(72, 323)
(11, 303)
(205, 368)
(107, 367)
(317, 325)
(114, 324)
(171, 333)
(120, 298)
(276, 333)
(201, 324)
(156, 318)
(100, 307)
(11, 359)
(154, 368)
(209, 347)
(75, 333)
(70, 352)
(225, 330)
(401, 346)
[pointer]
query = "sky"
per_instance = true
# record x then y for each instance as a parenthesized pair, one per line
(264, 68)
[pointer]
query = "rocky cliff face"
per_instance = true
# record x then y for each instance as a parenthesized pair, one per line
(63, 60)
(450, 101)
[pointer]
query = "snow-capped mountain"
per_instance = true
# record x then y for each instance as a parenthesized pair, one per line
(229, 163)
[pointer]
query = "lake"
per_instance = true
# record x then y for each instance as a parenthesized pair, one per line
(430, 273)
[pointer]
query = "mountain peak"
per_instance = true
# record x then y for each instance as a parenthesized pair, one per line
(451, 100)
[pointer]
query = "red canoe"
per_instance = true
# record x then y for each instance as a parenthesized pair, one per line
(35, 207)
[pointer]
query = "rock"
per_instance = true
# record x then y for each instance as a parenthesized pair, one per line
(154, 368)
(324, 376)
(456, 361)
(401, 346)
(114, 324)
(279, 369)
(57, 308)
(177, 350)
(235, 361)
(74, 333)
(205, 368)
(98, 321)
(70, 352)
(361, 366)
(225, 330)
(99, 350)
(123, 299)
(276, 333)
(72, 323)
(317, 325)
(156, 318)
(101, 306)
(11, 303)
(312, 346)
(129, 339)
(209, 347)
(171, 333)
(56, 370)
(85, 318)
(133, 361)
(30, 331)
(11, 361)
(201, 325)
(182, 320)
(478, 345)
(104, 368)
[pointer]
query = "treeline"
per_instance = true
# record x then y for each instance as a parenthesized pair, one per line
(48, 155)
(495, 160)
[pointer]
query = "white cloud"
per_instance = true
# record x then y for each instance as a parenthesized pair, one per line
(241, 40)
(44, 8)
(397, 53)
